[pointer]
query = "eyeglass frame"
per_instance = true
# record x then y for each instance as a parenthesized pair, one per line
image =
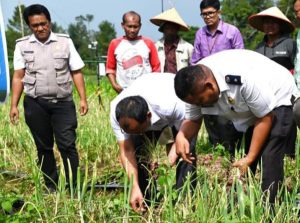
(208, 14)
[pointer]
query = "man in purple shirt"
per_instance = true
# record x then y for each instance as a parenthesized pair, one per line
(212, 38)
(216, 35)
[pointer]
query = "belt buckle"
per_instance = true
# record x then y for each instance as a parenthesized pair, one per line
(53, 100)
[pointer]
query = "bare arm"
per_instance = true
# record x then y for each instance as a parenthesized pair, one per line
(114, 84)
(261, 132)
(17, 89)
(127, 155)
(188, 130)
(80, 86)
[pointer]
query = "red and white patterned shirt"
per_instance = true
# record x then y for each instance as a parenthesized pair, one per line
(129, 59)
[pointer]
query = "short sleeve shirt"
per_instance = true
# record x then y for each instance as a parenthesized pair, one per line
(158, 91)
(251, 85)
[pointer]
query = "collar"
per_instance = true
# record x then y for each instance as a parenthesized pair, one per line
(175, 43)
(223, 86)
(277, 41)
(154, 117)
(136, 38)
(219, 28)
(52, 37)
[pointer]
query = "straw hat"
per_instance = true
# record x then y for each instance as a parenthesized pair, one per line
(256, 20)
(170, 15)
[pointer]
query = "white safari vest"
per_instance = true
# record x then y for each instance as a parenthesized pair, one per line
(47, 73)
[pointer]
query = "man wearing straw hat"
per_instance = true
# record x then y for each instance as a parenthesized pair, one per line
(174, 52)
(217, 36)
(278, 46)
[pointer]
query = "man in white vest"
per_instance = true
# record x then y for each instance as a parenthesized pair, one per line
(45, 64)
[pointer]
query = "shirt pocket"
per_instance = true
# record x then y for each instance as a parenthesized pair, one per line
(60, 61)
(240, 107)
(29, 85)
(64, 84)
(29, 62)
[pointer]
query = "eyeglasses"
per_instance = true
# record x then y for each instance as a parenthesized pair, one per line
(208, 14)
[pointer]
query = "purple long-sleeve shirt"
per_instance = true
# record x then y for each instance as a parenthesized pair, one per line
(226, 37)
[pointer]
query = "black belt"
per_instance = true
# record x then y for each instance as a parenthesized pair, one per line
(51, 100)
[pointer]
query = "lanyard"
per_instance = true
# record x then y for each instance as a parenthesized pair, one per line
(210, 47)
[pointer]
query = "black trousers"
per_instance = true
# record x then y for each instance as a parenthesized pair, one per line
(272, 153)
(222, 131)
(148, 186)
(48, 121)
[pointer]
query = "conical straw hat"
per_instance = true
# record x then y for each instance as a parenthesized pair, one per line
(170, 15)
(256, 20)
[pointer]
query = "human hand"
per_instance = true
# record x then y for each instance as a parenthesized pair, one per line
(172, 156)
(183, 148)
(137, 200)
(14, 115)
(117, 88)
(242, 164)
(83, 107)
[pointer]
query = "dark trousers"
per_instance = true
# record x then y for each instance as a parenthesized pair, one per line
(222, 131)
(46, 121)
(142, 144)
(272, 153)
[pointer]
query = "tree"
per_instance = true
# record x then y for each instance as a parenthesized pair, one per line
(106, 33)
(80, 35)
(14, 29)
(237, 13)
(190, 35)
(16, 23)
(287, 7)
(57, 28)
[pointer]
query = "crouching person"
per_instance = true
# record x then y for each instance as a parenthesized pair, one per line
(138, 116)
(252, 91)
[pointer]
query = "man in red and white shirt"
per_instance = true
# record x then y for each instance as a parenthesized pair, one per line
(130, 56)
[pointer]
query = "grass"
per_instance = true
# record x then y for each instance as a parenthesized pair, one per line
(220, 196)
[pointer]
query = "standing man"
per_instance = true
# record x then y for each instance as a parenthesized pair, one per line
(130, 56)
(253, 92)
(212, 38)
(174, 52)
(138, 116)
(45, 64)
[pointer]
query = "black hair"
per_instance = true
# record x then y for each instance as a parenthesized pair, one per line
(134, 107)
(130, 13)
(186, 79)
(210, 3)
(35, 9)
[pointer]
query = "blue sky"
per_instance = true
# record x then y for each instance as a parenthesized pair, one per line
(64, 11)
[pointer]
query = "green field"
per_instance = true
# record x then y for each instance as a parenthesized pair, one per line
(221, 195)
